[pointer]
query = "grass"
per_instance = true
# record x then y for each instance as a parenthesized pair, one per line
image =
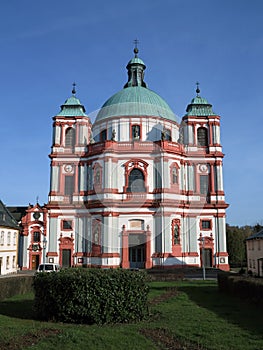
(197, 315)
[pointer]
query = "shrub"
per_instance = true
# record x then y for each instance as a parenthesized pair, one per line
(13, 285)
(91, 296)
(243, 287)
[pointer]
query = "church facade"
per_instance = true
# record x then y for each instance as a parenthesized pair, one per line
(136, 188)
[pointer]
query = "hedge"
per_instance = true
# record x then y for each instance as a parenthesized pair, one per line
(91, 296)
(14, 285)
(249, 288)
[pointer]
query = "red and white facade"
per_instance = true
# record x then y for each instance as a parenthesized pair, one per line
(135, 190)
(33, 234)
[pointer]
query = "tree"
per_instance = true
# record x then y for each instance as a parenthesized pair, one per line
(236, 244)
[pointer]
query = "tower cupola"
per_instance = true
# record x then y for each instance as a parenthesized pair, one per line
(199, 106)
(135, 69)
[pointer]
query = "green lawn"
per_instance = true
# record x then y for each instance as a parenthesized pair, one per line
(197, 316)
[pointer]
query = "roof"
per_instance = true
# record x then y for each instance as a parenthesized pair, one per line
(135, 101)
(72, 108)
(257, 235)
(136, 60)
(17, 212)
(199, 106)
(6, 218)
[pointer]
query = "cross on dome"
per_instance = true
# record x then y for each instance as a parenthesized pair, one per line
(197, 89)
(74, 88)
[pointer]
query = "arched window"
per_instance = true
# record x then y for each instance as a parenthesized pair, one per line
(136, 181)
(136, 132)
(202, 137)
(103, 135)
(204, 184)
(70, 137)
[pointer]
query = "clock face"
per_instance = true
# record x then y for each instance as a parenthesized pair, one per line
(68, 168)
(203, 168)
(36, 215)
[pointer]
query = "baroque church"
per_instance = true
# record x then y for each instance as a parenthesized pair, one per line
(135, 189)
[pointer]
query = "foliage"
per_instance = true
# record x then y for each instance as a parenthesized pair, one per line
(12, 285)
(91, 296)
(236, 247)
(199, 315)
(243, 287)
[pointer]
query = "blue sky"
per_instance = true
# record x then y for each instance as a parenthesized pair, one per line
(47, 45)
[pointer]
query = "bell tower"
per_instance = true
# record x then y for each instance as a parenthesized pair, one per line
(200, 129)
(71, 135)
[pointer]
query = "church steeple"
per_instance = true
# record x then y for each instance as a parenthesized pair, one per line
(135, 69)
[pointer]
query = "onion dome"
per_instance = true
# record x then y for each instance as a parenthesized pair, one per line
(135, 99)
(199, 106)
(72, 107)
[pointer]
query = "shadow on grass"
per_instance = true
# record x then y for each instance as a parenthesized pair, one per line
(233, 309)
(18, 308)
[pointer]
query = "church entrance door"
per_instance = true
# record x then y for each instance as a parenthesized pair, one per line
(208, 257)
(137, 251)
(35, 262)
(137, 256)
(66, 257)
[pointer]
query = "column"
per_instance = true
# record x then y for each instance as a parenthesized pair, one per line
(148, 262)
(125, 249)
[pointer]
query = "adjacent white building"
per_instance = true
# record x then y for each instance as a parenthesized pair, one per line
(138, 188)
(9, 233)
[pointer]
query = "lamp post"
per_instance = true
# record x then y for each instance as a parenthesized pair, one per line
(202, 239)
(44, 251)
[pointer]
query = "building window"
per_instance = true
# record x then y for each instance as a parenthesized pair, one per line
(206, 224)
(9, 238)
(67, 224)
(69, 185)
(14, 238)
(202, 137)
(136, 132)
(7, 263)
(103, 135)
(2, 238)
(204, 184)
(70, 137)
(14, 262)
(136, 181)
(36, 237)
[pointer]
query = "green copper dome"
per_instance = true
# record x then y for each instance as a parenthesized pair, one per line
(136, 60)
(199, 106)
(72, 108)
(135, 99)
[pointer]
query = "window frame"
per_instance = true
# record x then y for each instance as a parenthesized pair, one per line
(202, 136)
(204, 222)
(70, 226)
